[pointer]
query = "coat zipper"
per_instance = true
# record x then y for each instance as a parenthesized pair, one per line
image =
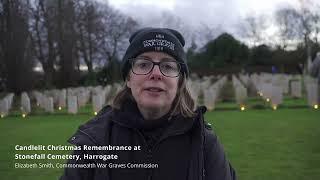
(150, 151)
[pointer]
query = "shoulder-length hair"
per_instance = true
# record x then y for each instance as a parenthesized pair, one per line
(183, 103)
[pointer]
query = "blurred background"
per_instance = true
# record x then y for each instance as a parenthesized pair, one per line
(250, 61)
(65, 43)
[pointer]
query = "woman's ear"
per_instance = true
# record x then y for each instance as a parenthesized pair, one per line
(128, 82)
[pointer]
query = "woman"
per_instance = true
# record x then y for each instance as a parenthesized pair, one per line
(154, 113)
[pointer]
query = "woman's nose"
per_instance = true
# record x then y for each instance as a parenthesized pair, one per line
(156, 73)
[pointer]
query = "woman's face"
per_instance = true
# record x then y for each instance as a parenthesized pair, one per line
(153, 91)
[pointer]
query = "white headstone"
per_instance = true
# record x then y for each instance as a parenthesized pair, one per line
(38, 97)
(209, 97)
(49, 105)
(72, 105)
(4, 107)
(9, 97)
(277, 96)
(96, 103)
(25, 103)
(240, 91)
(312, 94)
(245, 79)
(241, 95)
(62, 98)
(266, 89)
(195, 90)
(56, 96)
(296, 90)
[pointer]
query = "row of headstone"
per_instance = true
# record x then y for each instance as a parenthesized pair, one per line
(72, 104)
(206, 87)
(271, 87)
(272, 93)
(82, 94)
(71, 98)
(103, 92)
(240, 91)
(195, 89)
(245, 79)
(97, 103)
(208, 91)
(54, 93)
(25, 103)
(289, 84)
(276, 97)
(6, 104)
(210, 96)
(280, 80)
(78, 97)
(62, 98)
(99, 97)
(201, 86)
(212, 92)
(296, 89)
(311, 87)
(115, 89)
(43, 101)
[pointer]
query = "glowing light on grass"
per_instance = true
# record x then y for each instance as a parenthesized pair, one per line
(274, 107)
(242, 108)
(95, 113)
(24, 115)
(316, 106)
(268, 99)
(2, 115)
(60, 108)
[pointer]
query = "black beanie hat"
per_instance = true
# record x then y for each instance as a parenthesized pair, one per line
(155, 39)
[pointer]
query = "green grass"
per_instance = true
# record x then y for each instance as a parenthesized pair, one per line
(261, 144)
(41, 129)
(267, 144)
(260, 103)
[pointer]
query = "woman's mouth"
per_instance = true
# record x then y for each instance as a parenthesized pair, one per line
(154, 89)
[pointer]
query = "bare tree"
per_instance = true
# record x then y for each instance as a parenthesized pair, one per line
(306, 27)
(89, 27)
(287, 20)
(167, 19)
(170, 20)
(15, 45)
(1, 38)
(115, 39)
(253, 28)
(205, 33)
(116, 33)
(68, 58)
(316, 26)
(305, 19)
(44, 36)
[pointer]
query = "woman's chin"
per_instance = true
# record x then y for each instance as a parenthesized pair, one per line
(152, 105)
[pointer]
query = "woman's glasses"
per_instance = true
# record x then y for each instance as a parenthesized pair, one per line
(141, 66)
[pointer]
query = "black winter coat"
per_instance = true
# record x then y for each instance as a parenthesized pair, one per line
(186, 150)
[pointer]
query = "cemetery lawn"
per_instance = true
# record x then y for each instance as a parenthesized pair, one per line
(261, 144)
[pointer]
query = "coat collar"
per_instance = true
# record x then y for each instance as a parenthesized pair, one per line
(129, 116)
(94, 131)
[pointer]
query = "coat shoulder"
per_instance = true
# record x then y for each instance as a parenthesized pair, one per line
(93, 131)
